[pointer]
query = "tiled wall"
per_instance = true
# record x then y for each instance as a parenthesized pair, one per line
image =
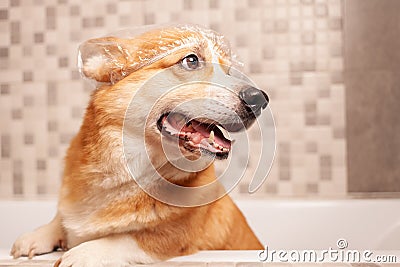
(291, 48)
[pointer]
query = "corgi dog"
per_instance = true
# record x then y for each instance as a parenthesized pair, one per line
(107, 214)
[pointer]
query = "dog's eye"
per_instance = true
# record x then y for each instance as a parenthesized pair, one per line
(190, 62)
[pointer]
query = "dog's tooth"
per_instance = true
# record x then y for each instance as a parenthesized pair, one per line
(225, 133)
(211, 137)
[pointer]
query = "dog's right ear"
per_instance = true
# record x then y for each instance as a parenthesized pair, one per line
(103, 59)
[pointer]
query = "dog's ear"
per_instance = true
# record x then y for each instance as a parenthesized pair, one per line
(103, 59)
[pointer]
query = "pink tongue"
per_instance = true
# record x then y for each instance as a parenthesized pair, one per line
(222, 142)
(202, 129)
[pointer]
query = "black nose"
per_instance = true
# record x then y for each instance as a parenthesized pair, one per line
(253, 98)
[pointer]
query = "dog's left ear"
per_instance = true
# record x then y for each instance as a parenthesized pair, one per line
(103, 59)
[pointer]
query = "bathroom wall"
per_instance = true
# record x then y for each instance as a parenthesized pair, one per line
(373, 95)
(293, 49)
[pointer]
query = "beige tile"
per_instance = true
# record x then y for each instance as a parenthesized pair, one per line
(267, 36)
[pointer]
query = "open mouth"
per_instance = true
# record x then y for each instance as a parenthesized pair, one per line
(195, 135)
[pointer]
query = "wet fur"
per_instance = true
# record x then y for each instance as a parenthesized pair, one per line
(98, 197)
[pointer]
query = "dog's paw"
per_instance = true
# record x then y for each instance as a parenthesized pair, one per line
(43, 240)
(105, 252)
(90, 256)
(37, 242)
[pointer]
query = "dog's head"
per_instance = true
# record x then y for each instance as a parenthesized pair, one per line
(178, 84)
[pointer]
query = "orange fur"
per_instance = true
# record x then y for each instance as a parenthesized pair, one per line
(165, 231)
(99, 198)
